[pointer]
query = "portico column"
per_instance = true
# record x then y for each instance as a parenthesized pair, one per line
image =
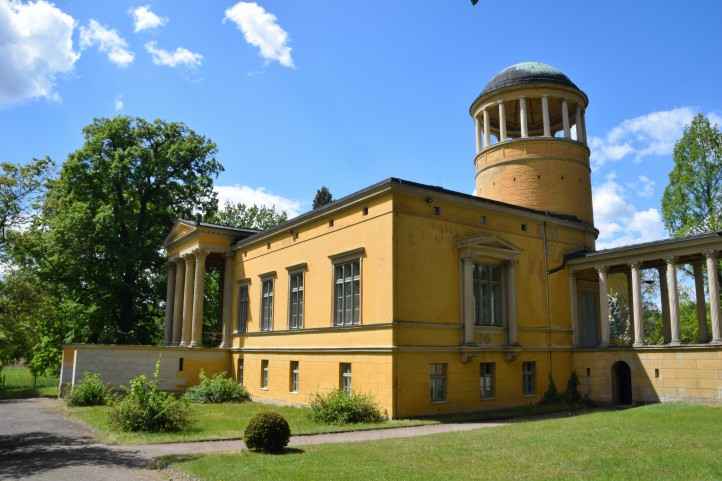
(487, 133)
(227, 293)
(169, 302)
(511, 305)
(545, 117)
(603, 306)
(713, 296)
(469, 300)
(502, 122)
(178, 301)
(578, 121)
(582, 127)
(664, 294)
(673, 301)
(565, 119)
(702, 334)
(188, 300)
(523, 118)
(198, 291)
(637, 305)
(477, 134)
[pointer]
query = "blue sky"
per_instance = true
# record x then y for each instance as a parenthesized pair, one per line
(299, 94)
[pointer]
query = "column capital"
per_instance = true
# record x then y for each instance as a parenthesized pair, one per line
(635, 265)
(602, 269)
(670, 260)
(710, 253)
(189, 256)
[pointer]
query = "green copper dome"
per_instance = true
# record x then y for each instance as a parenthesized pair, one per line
(527, 73)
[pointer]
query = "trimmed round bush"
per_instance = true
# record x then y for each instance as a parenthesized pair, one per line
(217, 389)
(340, 407)
(268, 432)
(90, 391)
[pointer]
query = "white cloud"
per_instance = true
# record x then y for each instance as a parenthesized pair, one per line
(181, 56)
(258, 196)
(119, 104)
(261, 29)
(619, 221)
(36, 45)
(651, 134)
(108, 41)
(145, 19)
(644, 186)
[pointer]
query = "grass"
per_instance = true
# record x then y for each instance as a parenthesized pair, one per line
(18, 382)
(221, 421)
(659, 442)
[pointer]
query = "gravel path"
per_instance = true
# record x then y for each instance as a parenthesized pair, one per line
(205, 447)
(37, 443)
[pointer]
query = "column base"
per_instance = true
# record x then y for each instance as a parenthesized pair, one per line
(638, 344)
(716, 342)
(224, 345)
(182, 344)
(674, 343)
(195, 344)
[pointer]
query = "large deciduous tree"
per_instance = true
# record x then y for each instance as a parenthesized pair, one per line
(692, 201)
(104, 220)
(254, 217)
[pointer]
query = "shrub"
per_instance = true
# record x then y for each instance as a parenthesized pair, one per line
(268, 432)
(90, 391)
(147, 408)
(571, 395)
(340, 407)
(217, 389)
(551, 395)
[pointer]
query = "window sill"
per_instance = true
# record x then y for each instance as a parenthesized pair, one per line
(488, 399)
(529, 395)
(445, 401)
(489, 328)
(263, 388)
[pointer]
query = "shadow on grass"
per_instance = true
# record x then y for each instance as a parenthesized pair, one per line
(25, 393)
(529, 412)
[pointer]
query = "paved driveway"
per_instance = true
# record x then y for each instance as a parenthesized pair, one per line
(38, 443)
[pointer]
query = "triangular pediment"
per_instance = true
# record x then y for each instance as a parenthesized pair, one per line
(179, 230)
(489, 243)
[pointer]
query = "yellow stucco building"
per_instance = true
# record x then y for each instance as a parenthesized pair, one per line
(436, 301)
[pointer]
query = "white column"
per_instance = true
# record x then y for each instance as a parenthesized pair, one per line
(702, 334)
(227, 300)
(487, 133)
(713, 296)
(522, 118)
(198, 290)
(180, 271)
(664, 294)
(603, 306)
(637, 305)
(512, 327)
(574, 309)
(673, 301)
(169, 302)
(502, 122)
(582, 128)
(578, 122)
(188, 300)
(565, 119)
(477, 134)
(469, 301)
(545, 116)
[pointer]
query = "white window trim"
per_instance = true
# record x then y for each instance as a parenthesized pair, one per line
(342, 258)
(247, 284)
(292, 270)
(268, 276)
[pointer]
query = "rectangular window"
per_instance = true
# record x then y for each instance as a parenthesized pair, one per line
(240, 371)
(267, 305)
(345, 377)
(487, 379)
(438, 382)
(264, 374)
(242, 308)
(348, 293)
(488, 295)
(529, 377)
(295, 311)
(294, 377)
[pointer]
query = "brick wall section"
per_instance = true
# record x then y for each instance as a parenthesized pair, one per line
(692, 374)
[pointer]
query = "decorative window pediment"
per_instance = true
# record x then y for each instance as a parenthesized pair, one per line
(488, 246)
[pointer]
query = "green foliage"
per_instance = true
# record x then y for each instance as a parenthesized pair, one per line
(217, 389)
(692, 201)
(245, 217)
(551, 395)
(268, 432)
(90, 391)
(571, 395)
(147, 408)
(340, 407)
(323, 197)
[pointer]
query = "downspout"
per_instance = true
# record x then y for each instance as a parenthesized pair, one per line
(547, 292)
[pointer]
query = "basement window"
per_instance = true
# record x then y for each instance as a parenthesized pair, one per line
(482, 220)
(180, 364)
(656, 373)
(589, 372)
(524, 227)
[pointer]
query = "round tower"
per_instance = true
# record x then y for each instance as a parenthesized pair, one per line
(531, 141)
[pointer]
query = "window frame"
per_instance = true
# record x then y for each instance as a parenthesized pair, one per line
(485, 394)
(294, 377)
(343, 376)
(298, 270)
(435, 376)
(491, 285)
(242, 324)
(529, 374)
(240, 365)
(350, 257)
(265, 374)
(266, 325)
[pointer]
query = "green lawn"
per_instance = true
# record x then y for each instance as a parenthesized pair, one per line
(220, 421)
(659, 442)
(18, 382)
